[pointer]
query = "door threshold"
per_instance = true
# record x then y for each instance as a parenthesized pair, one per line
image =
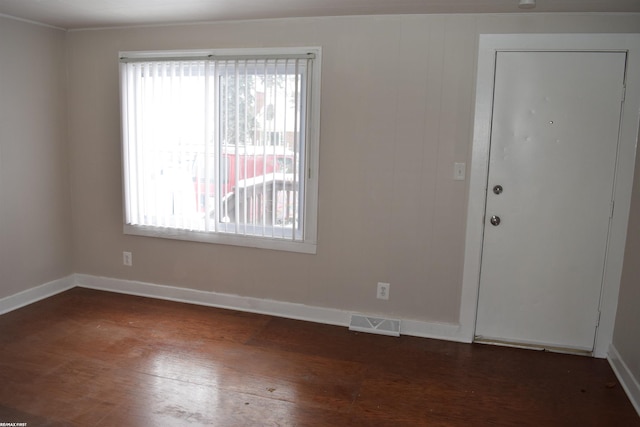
(537, 347)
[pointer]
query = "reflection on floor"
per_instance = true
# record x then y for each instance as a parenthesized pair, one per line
(92, 358)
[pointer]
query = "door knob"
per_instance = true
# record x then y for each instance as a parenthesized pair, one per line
(495, 220)
(497, 189)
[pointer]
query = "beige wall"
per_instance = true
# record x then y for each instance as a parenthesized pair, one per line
(626, 337)
(35, 219)
(397, 104)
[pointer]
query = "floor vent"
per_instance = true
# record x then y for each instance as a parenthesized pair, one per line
(375, 325)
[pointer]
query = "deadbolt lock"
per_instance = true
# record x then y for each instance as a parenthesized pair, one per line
(497, 189)
(495, 220)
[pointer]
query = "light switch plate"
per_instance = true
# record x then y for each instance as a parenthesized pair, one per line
(459, 170)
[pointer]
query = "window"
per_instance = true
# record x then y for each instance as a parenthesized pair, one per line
(222, 146)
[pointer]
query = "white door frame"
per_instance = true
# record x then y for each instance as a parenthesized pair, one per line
(489, 44)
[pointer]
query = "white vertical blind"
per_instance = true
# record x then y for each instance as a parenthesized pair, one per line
(216, 145)
(164, 130)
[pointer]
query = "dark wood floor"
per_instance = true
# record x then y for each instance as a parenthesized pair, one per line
(92, 358)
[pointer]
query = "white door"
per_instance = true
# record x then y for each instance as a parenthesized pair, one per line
(554, 138)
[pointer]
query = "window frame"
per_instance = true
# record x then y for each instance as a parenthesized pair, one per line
(312, 145)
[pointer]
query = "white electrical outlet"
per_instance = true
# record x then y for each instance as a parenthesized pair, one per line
(383, 290)
(127, 259)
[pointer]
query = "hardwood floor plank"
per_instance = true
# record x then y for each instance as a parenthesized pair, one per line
(91, 358)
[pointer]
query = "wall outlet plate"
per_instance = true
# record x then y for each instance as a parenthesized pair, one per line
(383, 291)
(127, 259)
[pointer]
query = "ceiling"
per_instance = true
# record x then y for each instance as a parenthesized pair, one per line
(81, 14)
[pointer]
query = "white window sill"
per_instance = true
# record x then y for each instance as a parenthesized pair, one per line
(306, 247)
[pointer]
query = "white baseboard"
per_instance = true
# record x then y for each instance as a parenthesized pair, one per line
(625, 376)
(435, 330)
(21, 299)
(330, 316)
(213, 299)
